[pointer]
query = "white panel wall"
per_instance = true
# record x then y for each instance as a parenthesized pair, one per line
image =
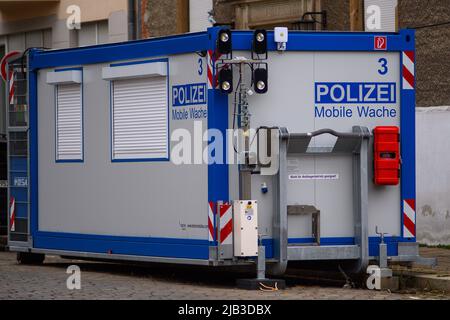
(433, 175)
(198, 15)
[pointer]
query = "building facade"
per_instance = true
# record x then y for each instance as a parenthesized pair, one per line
(25, 24)
(36, 23)
(160, 18)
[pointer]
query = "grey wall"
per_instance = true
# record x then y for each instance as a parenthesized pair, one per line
(433, 175)
(432, 49)
(53, 33)
(23, 40)
(115, 29)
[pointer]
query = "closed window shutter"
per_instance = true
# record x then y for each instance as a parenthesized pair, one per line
(140, 121)
(69, 140)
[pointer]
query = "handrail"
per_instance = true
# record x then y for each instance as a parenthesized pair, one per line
(356, 134)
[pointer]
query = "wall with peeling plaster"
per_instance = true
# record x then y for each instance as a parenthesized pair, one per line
(433, 175)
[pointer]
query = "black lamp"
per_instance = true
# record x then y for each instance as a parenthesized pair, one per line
(260, 80)
(224, 41)
(260, 42)
(226, 81)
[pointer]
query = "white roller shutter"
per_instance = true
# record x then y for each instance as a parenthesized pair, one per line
(139, 119)
(69, 129)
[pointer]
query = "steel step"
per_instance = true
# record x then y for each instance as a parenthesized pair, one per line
(343, 252)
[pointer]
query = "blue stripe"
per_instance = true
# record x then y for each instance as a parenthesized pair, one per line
(218, 183)
(142, 160)
(329, 241)
(33, 136)
(177, 248)
(155, 247)
(408, 141)
(329, 41)
(298, 41)
(69, 69)
(121, 238)
(130, 63)
(218, 119)
(121, 51)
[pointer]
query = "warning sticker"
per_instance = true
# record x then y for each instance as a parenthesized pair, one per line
(314, 176)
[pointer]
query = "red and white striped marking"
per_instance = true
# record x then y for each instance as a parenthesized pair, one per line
(226, 224)
(12, 214)
(210, 64)
(409, 218)
(408, 70)
(212, 78)
(211, 221)
(10, 56)
(11, 87)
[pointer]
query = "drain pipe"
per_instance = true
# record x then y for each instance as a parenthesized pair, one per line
(131, 19)
(138, 20)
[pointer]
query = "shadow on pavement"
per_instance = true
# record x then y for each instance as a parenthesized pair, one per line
(199, 275)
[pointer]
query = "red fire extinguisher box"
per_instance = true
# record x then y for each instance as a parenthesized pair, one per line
(386, 155)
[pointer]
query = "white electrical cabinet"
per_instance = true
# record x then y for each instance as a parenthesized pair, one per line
(245, 217)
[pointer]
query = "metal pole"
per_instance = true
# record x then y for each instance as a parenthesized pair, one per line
(218, 228)
(244, 123)
(261, 263)
(382, 257)
(360, 194)
(280, 241)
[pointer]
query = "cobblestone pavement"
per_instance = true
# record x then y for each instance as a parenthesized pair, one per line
(101, 280)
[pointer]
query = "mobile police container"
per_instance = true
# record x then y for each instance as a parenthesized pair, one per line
(129, 151)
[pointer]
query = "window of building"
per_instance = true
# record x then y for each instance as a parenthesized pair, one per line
(92, 33)
(140, 118)
(69, 126)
